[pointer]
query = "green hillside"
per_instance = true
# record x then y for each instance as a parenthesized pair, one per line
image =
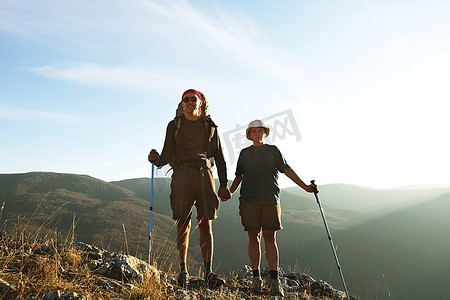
(105, 214)
(374, 201)
(401, 250)
(388, 241)
(392, 244)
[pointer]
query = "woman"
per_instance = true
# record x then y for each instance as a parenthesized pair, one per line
(257, 169)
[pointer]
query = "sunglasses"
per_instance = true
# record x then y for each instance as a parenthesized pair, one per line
(192, 99)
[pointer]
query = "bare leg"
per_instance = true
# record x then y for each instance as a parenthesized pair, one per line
(254, 248)
(207, 247)
(183, 230)
(206, 239)
(271, 249)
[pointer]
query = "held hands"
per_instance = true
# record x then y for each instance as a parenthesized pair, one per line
(153, 156)
(224, 194)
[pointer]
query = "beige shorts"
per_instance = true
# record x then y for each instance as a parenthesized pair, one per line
(193, 186)
(255, 216)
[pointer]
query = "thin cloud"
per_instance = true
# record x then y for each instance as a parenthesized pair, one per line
(170, 34)
(240, 39)
(127, 77)
(37, 115)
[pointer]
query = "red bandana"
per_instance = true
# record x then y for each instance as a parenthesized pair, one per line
(192, 91)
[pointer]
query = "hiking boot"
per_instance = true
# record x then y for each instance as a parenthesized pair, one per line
(183, 279)
(275, 288)
(213, 280)
(257, 285)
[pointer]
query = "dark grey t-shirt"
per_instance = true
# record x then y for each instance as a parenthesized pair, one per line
(259, 167)
(194, 141)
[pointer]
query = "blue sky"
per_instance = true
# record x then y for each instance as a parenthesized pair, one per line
(88, 87)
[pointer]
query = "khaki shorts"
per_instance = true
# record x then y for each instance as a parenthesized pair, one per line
(190, 185)
(255, 216)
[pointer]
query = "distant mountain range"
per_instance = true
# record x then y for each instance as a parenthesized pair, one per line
(392, 243)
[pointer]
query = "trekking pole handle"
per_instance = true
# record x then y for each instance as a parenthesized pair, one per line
(149, 155)
(315, 186)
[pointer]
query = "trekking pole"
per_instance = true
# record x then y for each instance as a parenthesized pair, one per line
(151, 211)
(316, 192)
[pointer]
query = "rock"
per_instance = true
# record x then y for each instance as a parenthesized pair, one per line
(120, 270)
(185, 294)
(53, 295)
(110, 285)
(73, 296)
(58, 295)
(322, 288)
(128, 269)
(7, 290)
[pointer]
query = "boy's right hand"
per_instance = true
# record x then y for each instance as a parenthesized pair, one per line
(312, 188)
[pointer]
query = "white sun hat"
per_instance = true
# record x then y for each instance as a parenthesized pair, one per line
(256, 124)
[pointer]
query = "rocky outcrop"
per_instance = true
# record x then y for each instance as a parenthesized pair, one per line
(295, 285)
(119, 274)
(125, 268)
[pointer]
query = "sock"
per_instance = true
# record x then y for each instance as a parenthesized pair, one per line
(256, 273)
(208, 267)
(183, 268)
(273, 274)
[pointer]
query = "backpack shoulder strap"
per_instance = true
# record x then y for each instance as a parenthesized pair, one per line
(177, 120)
(210, 127)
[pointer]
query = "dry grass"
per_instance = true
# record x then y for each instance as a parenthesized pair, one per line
(35, 261)
(34, 268)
